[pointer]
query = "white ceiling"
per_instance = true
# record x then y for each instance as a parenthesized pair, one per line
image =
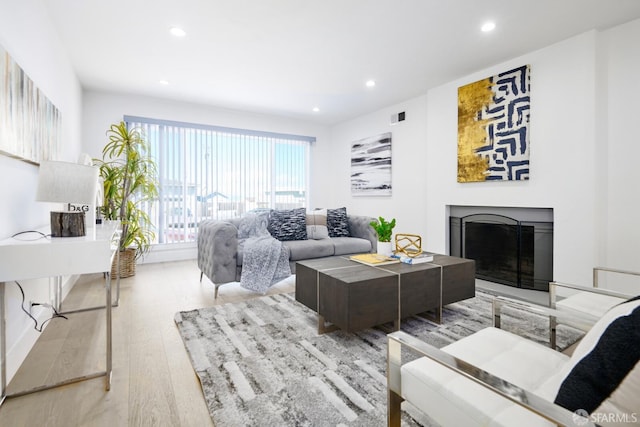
(285, 57)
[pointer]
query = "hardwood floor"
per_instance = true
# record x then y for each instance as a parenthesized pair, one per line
(153, 382)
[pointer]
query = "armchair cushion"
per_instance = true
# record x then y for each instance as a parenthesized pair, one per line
(588, 302)
(451, 397)
(602, 362)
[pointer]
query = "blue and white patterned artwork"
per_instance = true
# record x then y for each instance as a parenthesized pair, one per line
(493, 128)
(371, 166)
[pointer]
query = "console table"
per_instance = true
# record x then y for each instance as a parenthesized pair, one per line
(23, 259)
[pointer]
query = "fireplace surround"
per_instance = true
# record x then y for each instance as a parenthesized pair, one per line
(511, 246)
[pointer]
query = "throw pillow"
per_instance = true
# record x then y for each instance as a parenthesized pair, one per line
(288, 224)
(337, 222)
(602, 362)
(317, 224)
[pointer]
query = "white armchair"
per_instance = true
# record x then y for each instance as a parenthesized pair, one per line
(494, 377)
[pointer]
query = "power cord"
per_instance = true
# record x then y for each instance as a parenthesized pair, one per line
(41, 235)
(37, 327)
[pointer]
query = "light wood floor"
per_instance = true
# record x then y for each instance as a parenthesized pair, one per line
(153, 382)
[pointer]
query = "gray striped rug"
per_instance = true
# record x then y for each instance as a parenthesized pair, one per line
(262, 363)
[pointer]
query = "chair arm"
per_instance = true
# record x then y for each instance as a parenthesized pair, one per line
(597, 291)
(611, 270)
(576, 319)
(218, 250)
(532, 402)
(359, 226)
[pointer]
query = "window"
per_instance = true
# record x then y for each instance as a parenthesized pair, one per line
(215, 172)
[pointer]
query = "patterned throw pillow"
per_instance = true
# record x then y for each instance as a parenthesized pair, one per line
(317, 224)
(337, 222)
(605, 375)
(288, 224)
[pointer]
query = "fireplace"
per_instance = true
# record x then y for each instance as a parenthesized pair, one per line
(510, 246)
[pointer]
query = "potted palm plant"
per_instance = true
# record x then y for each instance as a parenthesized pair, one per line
(129, 178)
(383, 229)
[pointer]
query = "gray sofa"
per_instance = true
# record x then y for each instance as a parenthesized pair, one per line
(220, 252)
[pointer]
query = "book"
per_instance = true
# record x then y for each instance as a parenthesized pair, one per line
(418, 259)
(373, 259)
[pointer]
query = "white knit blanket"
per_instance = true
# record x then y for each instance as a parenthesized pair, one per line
(265, 259)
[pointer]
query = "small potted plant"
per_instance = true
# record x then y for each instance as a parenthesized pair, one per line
(383, 229)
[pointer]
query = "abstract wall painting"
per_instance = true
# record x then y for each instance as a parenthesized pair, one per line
(493, 128)
(30, 125)
(371, 166)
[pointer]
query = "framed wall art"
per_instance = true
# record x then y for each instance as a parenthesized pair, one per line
(371, 166)
(493, 128)
(30, 125)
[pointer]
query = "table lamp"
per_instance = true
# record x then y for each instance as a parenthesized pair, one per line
(66, 182)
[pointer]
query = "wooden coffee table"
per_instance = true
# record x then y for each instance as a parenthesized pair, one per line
(353, 296)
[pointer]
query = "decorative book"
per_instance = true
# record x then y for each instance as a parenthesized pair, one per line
(417, 259)
(374, 259)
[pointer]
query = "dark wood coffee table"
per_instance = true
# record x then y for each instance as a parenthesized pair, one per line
(353, 296)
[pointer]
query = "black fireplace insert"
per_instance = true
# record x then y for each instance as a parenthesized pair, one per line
(506, 250)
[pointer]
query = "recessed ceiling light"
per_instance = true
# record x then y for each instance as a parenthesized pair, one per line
(488, 26)
(164, 82)
(316, 109)
(178, 32)
(370, 83)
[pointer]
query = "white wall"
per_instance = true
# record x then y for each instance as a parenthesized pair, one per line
(27, 34)
(409, 171)
(584, 94)
(621, 78)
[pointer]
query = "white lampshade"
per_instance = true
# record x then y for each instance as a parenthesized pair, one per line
(67, 183)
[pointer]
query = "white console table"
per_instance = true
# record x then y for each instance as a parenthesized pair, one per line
(22, 258)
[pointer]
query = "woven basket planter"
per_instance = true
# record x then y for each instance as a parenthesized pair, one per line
(127, 264)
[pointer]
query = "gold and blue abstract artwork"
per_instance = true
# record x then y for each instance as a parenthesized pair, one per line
(493, 128)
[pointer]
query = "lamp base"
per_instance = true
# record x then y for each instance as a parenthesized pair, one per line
(68, 224)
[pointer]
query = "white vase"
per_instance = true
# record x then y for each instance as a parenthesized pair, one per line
(384, 248)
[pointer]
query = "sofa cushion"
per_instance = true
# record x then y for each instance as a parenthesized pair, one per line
(350, 245)
(308, 249)
(604, 362)
(337, 222)
(289, 224)
(317, 224)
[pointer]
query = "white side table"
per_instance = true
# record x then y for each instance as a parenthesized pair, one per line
(22, 259)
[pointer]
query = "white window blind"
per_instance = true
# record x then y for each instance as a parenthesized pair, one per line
(216, 172)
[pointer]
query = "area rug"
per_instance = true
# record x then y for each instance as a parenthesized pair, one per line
(262, 363)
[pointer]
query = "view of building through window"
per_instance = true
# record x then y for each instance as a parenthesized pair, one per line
(210, 172)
